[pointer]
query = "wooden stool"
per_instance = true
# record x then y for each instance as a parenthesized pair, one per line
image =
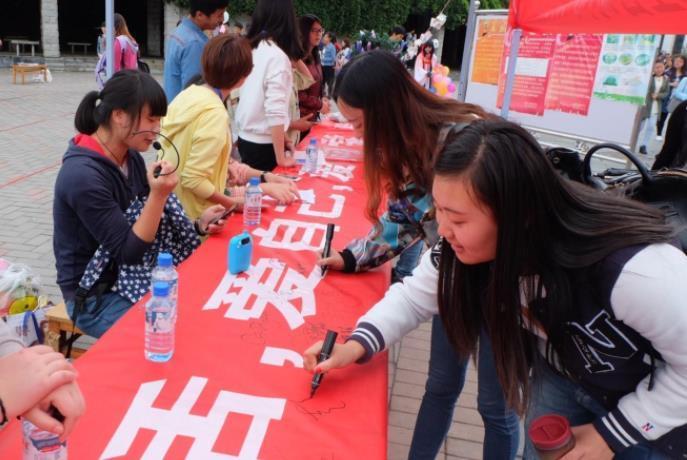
(23, 69)
(59, 324)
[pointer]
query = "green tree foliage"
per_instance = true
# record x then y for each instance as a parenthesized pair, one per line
(350, 16)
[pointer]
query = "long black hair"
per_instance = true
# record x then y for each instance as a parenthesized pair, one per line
(550, 232)
(402, 123)
(305, 23)
(673, 154)
(128, 90)
(276, 20)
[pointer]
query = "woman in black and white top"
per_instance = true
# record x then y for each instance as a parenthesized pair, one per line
(262, 115)
(592, 281)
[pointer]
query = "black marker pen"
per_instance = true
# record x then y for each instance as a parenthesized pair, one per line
(325, 353)
(327, 245)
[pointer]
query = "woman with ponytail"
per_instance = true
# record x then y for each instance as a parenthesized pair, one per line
(102, 174)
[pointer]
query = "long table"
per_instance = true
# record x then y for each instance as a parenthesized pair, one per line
(235, 387)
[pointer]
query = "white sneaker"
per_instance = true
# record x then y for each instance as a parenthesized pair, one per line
(659, 138)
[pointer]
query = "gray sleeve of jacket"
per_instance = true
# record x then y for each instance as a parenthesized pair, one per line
(404, 307)
(650, 296)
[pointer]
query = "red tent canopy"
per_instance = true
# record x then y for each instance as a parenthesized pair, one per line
(600, 16)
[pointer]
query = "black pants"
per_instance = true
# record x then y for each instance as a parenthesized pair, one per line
(660, 121)
(258, 156)
(328, 79)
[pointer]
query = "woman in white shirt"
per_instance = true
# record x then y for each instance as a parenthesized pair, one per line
(262, 114)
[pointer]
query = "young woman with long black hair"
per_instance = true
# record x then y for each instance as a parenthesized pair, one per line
(581, 293)
(403, 127)
(262, 115)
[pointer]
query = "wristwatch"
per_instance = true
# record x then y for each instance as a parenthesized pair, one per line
(263, 179)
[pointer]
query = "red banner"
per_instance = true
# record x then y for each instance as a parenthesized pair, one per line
(235, 387)
(600, 16)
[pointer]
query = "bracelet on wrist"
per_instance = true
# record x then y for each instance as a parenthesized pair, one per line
(263, 177)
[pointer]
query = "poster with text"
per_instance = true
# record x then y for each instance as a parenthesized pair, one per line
(573, 70)
(491, 34)
(625, 67)
(531, 72)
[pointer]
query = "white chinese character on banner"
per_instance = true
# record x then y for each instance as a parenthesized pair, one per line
(292, 235)
(337, 208)
(269, 282)
(178, 421)
(274, 356)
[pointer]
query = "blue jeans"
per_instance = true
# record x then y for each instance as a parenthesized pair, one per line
(408, 260)
(444, 384)
(95, 319)
(554, 394)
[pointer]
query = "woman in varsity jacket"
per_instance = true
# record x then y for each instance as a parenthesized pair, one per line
(592, 281)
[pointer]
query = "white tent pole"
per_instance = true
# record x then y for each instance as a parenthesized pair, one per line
(109, 31)
(467, 50)
(510, 74)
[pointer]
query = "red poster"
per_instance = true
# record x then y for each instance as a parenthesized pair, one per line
(572, 74)
(531, 73)
(235, 387)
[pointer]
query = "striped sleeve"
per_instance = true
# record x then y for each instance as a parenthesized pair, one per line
(405, 306)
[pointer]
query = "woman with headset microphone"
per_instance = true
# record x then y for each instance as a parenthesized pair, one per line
(102, 176)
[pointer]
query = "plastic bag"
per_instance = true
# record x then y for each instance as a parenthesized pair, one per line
(19, 289)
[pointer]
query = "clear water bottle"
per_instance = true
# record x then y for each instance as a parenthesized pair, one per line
(253, 203)
(159, 340)
(166, 272)
(311, 154)
(42, 445)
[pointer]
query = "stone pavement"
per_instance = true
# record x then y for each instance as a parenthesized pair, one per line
(36, 121)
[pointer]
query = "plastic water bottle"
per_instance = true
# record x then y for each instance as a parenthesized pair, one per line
(311, 154)
(253, 203)
(42, 445)
(159, 340)
(166, 272)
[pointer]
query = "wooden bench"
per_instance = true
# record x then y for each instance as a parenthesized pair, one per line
(23, 69)
(19, 43)
(84, 44)
(60, 329)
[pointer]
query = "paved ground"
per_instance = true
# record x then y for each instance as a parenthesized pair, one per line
(36, 121)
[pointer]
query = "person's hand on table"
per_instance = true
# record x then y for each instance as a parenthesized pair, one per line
(334, 261)
(588, 444)
(289, 160)
(205, 221)
(280, 192)
(342, 356)
(69, 401)
(272, 178)
(303, 123)
(29, 375)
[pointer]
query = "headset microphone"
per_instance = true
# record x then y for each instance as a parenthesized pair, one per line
(157, 172)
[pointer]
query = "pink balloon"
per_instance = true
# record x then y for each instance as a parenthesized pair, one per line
(451, 87)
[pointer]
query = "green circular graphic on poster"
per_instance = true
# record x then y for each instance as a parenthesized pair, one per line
(610, 58)
(629, 39)
(613, 38)
(611, 81)
(626, 59)
(642, 59)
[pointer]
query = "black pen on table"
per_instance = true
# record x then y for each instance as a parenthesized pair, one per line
(325, 353)
(327, 245)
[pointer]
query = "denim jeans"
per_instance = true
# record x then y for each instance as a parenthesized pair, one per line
(96, 319)
(444, 384)
(408, 260)
(554, 394)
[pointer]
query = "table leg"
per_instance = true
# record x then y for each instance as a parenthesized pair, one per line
(17, 46)
(32, 51)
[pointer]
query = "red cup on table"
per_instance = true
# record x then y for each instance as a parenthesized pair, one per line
(551, 436)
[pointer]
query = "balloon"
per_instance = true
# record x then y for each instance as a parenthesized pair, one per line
(442, 91)
(451, 87)
(444, 71)
(436, 78)
(433, 90)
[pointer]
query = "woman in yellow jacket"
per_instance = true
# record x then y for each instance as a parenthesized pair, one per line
(197, 122)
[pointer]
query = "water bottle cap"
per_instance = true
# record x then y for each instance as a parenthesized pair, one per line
(164, 259)
(254, 181)
(313, 141)
(160, 289)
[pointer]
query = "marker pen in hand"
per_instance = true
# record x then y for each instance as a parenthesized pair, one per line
(325, 353)
(327, 245)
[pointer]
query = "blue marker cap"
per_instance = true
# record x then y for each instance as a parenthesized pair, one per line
(164, 259)
(160, 289)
